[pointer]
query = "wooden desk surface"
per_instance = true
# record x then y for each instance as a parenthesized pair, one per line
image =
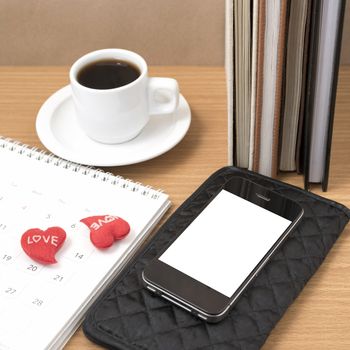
(320, 317)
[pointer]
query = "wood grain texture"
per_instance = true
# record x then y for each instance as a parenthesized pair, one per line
(320, 317)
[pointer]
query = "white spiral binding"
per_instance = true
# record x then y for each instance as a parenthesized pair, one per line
(116, 180)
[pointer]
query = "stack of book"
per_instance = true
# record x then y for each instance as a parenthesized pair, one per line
(282, 60)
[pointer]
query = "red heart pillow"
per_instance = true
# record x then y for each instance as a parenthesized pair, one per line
(42, 246)
(106, 229)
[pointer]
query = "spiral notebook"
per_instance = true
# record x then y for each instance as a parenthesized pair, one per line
(42, 305)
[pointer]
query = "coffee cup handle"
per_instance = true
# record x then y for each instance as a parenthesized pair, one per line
(163, 95)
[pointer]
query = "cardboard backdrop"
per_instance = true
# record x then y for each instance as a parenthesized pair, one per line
(165, 32)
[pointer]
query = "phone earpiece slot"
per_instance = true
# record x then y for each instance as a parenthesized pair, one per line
(263, 197)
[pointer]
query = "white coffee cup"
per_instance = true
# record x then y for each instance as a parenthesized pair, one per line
(119, 114)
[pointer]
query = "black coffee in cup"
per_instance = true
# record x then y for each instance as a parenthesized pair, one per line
(108, 74)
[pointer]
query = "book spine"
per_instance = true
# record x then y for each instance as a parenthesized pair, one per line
(333, 95)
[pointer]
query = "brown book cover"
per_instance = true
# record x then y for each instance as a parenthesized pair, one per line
(311, 90)
(310, 87)
(278, 96)
(267, 163)
(333, 95)
(299, 146)
(231, 80)
(293, 82)
(259, 83)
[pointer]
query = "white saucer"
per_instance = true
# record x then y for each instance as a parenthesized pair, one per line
(58, 130)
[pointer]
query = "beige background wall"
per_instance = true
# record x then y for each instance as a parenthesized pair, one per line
(345, 54)
(167, 32)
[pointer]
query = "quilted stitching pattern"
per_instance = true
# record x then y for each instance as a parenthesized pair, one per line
(128, 317)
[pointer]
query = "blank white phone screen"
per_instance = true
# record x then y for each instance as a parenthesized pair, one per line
(225, 242)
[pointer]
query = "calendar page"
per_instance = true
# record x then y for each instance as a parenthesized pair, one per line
(41, 304)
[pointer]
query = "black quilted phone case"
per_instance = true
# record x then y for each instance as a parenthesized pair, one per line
(127, 316)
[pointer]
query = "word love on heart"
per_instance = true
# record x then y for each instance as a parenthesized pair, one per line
(42, 246)
(106, 229)
(47, 239)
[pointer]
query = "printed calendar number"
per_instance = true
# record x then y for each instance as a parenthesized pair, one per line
(25, 264)
(36, 296)
(9, 249)
(58, 278)
(79, 256)
(59, 275)
(6, 258)
(38, 302)
(32, 267)
(10, 291)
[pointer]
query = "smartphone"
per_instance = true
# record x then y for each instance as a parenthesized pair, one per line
(217, 256)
